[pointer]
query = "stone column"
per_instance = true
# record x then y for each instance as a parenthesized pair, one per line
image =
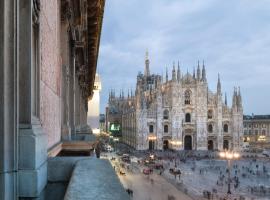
(8, 98)
(32, 141)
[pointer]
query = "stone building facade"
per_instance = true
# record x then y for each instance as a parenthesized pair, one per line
(180, 113)
(257, 130)
(48, 57)
(93, 114)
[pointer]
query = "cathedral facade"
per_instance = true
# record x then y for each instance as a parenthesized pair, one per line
(180, 113)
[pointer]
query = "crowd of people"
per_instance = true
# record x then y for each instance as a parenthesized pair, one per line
(243, 173)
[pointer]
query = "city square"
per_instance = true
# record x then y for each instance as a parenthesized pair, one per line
(202, 175)
(134, 100)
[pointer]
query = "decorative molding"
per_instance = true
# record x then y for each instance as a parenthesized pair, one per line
(36, 12)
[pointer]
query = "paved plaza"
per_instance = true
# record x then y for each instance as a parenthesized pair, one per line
(200, 178)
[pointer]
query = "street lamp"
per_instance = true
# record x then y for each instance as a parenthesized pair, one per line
(229, 155)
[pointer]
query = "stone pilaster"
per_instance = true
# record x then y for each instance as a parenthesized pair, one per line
(8, 99)
(65, 87)
(32, 172)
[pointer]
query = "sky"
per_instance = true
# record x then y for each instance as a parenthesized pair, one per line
(232, 37)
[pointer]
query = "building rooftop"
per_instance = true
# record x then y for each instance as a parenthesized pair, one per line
(256, 117)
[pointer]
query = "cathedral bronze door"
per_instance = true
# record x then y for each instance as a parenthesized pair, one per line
(188, 142)
(165, 145)
(210, 145)
(151, 145)
(225, 144)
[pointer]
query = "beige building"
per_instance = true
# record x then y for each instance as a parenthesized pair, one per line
(257, 130)
(93, 107)
(179, 113)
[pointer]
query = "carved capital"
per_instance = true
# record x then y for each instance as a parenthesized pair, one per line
(36, 12)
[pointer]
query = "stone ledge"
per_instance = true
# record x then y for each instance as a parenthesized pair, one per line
(95, 179)
(60, 168)
(32, 182)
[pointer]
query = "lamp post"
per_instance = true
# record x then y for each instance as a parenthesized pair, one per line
(229, 156)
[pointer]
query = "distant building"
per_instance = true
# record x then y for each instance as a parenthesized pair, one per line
(93, 107)
(180, 113)
(114, 118)
(257, 130)
(102, 123)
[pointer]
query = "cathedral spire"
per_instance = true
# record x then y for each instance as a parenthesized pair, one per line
(173, 72)
(234, 101)
(198, 71)
(203, 73)
(166, 74)
(226, 103)
(239, 98)
(219, 85)
(178, 72)
(147, 62)
(194, 73)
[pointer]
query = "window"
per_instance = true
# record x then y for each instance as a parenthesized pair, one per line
(187, 97)
(263, 132)
(210, 128)
(166, 114)
(151, 128)
(225, 128)
(166, 129)
(210, 114)
(188, 117)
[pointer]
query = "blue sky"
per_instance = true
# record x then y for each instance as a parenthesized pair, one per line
(232, 37)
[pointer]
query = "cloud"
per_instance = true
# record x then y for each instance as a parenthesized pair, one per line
(231, 36)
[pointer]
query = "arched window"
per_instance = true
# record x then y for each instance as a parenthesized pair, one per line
(187, 97)
(166, 114)
(166, 129)
(151, 128)
(210, 128)
(210, 114)
(225, 128)
(188, 117)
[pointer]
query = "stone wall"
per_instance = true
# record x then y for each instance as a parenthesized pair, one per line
(50, 114)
